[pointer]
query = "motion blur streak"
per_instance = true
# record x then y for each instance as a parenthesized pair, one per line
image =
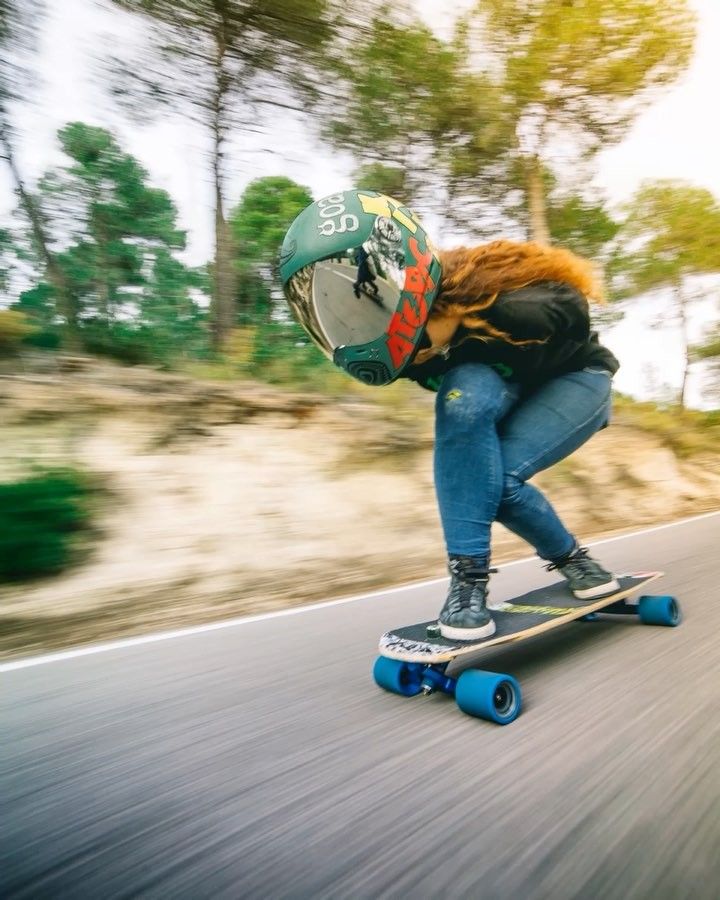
(44, 659)
(263, 762)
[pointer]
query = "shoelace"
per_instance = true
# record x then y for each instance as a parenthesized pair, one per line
(577, 563)
(463, 599)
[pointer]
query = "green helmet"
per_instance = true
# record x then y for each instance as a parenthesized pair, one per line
(360, 276)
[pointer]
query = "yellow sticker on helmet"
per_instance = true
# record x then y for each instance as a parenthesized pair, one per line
(386, 206)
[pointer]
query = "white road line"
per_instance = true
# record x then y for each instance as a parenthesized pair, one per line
(44, 659)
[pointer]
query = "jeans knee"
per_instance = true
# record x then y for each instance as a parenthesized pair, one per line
(512, 486)
(470, 393)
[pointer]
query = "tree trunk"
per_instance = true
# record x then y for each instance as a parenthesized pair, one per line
(539, 230)
(224, 317)
(682, 307)
(223, 306)
(66, 302)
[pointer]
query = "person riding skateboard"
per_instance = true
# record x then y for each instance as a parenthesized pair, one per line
(365, 279)
(501, 332)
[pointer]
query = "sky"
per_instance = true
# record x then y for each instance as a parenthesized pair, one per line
(678, 137)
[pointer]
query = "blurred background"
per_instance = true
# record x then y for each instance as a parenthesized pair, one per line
(174, 450)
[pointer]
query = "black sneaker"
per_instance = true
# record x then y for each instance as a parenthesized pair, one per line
(586, 577)
(464, 616)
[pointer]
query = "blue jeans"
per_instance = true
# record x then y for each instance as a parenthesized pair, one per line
(489, 441)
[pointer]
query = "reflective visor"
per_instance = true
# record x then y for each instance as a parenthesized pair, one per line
(349, 299)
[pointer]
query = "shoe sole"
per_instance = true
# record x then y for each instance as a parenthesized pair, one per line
(600, 590)
(467, 634)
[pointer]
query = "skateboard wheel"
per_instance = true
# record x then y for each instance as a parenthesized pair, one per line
(662, 610)
(398, 677)
(489, 696)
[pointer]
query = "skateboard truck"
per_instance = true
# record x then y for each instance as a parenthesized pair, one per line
(435, 679)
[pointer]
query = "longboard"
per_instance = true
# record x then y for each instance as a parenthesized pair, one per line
(413, 658)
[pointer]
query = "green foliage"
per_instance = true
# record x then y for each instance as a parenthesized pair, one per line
(386, 179)
(282, 354)
(687, 432)
(38, 302)
(676, 227)
(14, 329)
(586, 67)
(222, 62)
(116, 236)
(674, 231)
(582, 225)
(710, 349)
(263, 215)
(579, 72)
(258, 225)
(8, 257)
(404, 99)
(577, 220)
(38, 519)
(130, 345)
(103, 193)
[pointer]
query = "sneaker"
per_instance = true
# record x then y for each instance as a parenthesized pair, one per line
(586, 577)
(464, 616)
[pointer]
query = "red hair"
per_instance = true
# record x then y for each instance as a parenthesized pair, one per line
(472, 278)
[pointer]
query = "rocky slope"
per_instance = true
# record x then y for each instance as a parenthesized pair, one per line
(226, 499)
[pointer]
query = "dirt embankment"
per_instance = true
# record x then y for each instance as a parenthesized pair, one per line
(223, 500)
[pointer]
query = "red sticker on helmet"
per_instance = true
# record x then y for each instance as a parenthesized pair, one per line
(405, 323)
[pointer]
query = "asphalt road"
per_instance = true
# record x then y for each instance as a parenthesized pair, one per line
(260, 761)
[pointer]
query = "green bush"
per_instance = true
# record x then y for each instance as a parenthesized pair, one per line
(14, 328)
(38, 518)
(44, 339)
(133, 347)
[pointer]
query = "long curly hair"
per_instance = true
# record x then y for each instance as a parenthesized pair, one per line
(472, 278)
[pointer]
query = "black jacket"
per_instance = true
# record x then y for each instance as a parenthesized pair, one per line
(551, 311)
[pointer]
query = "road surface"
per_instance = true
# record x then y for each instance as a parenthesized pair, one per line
(260, 760)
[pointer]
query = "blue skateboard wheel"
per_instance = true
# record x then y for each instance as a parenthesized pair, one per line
(489, 696)
(661, 610)
(397, 676)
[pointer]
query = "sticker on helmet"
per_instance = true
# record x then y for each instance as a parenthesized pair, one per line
(386, 206)
(337, 221)
(387, 229)
(404, 324)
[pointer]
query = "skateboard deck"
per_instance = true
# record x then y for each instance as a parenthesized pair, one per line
(375, 296)
(522, 617)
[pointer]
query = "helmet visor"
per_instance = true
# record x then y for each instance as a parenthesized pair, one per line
(349, 299)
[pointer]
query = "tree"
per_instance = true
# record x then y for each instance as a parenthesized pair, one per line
(168, 309)
(8, 254)
(258, 223)
(571, 73)
(113, 236)
(403, 101)
(19, 22)
(387, 179)
(103, 202)
(674, 233)
(709, 351)
(216, 60)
